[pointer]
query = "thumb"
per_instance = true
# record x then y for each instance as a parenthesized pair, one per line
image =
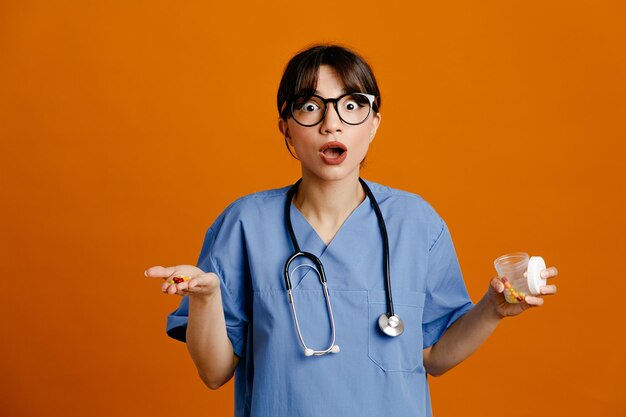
(159, 272)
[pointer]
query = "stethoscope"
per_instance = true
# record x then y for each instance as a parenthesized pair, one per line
(388, 322)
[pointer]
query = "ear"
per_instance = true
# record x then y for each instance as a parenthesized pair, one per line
(375, 123)
(284, 130)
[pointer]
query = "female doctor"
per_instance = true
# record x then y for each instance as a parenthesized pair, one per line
(375, 303)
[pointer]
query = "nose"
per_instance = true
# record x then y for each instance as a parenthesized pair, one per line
(331, 122)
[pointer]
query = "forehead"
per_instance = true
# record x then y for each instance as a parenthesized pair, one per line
(329, 81)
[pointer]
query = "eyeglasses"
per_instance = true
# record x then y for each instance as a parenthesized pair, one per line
(352, 108)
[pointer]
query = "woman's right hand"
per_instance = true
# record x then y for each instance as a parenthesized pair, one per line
(200, 283)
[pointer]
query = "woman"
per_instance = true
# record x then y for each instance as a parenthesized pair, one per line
(366, 353)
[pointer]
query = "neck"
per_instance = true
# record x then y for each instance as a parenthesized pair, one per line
(329, 202)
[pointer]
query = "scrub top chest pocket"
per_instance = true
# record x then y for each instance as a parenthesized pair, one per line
(402, 353)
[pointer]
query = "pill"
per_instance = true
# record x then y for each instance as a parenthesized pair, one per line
(178, 280)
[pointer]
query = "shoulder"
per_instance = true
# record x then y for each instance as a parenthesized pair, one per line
(401, 198)
(252, 207)
(259, 199)
(408, 209)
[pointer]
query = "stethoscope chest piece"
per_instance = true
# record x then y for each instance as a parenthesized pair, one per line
(391, 326)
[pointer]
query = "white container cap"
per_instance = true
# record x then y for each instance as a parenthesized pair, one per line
(536, 264)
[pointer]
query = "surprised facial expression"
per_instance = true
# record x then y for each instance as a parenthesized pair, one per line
(333, 149)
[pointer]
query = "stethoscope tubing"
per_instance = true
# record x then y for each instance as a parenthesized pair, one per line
(389, 323)
(383, 232)
(312, 258)
(315, 259)
(330, 315)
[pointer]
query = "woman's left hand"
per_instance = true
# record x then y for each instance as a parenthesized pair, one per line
(505, 309)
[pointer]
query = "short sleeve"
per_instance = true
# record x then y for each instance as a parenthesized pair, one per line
(446, 295)
(222, 253)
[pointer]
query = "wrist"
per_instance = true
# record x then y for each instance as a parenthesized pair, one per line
(490, 308)
(204, 299)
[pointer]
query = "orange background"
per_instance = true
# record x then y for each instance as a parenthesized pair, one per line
(127, 127)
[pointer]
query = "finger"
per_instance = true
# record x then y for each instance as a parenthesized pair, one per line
(548, 289)
(497, 285)
(197, 282)
(181, 286)
(159, 272)
(169, 287)
(549, 272)
(172, 289)
(188, 290)
(192, 284)
(195, 285)
(533, 301)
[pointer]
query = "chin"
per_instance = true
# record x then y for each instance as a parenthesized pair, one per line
(336, 173)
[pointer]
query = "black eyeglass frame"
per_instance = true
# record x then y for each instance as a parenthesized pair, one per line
(370, 97)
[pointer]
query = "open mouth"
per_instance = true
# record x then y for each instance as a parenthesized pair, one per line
(333, 149)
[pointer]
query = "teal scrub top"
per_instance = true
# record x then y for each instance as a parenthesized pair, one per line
(373, 374)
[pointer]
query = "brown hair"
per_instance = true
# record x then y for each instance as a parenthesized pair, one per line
(300, 75)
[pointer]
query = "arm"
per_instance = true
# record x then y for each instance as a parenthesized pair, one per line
(466, 335)
(462, 338)
(207, 339)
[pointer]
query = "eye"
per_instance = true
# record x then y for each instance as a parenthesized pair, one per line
(351, 105)
(354, 102)
(307, 105)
